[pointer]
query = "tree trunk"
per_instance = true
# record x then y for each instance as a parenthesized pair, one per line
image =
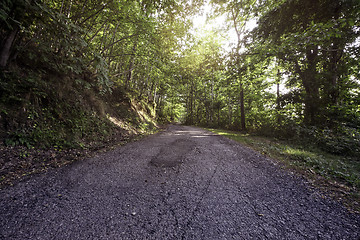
(110, 50)
(5, 51)
(191, 105)
(312, 87)
(278, 107)
(311, 84)
(131, 65)
(69, 10)
(333, 91)
(218, 116)
(229, 112)
(242, 109)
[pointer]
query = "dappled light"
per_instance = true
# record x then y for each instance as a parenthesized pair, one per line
(201, 136)
(120, 123)
(198, 111)
(230, 64)
(85, 74)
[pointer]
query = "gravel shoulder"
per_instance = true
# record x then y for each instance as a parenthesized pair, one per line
(183, 183)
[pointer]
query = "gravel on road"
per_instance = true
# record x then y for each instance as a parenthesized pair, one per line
(183, 183)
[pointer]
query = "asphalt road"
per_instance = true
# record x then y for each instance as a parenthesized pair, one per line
(184, 183)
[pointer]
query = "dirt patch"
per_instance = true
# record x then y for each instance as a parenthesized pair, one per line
(19, 162)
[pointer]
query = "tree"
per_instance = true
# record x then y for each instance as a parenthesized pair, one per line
(311, 37)
(14, 15)
(238, 14)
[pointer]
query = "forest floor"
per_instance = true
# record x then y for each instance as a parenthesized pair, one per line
(182, 183)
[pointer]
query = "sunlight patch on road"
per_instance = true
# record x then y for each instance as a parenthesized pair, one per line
(188, 132)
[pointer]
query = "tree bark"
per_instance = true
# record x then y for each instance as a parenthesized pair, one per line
(278, 107)
(130, 74)
(242, 109)
(6, 47)
(110, 49)
(229, 111)
(192, 104)
(311, 86)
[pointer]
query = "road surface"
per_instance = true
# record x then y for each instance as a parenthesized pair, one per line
(183, 183)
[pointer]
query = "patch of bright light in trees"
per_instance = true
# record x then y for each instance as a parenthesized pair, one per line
(201, 25)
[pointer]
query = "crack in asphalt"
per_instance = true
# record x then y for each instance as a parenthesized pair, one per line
(183, 183)
(203, 194)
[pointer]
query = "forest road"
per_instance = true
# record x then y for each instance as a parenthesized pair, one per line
(183, 183)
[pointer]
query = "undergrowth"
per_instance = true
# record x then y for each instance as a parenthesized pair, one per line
(44, 128)
(42, 114)
(38, 133)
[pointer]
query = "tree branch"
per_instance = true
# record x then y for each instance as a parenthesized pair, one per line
(91, 16)
(112, 44)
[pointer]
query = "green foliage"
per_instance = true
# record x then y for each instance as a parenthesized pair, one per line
(68, 53)
(343, 140)
(66, 126)
(17, 14)
(67, 58)
(74, 72)
(19, 138)
(314, 47)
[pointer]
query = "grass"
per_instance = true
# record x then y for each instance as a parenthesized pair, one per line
(338, 176)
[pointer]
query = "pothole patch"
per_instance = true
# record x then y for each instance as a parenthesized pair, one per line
(173, 154)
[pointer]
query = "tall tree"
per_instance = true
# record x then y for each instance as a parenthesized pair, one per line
(238, 14)
(312, 37)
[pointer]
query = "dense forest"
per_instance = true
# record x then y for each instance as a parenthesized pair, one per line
(72, 71)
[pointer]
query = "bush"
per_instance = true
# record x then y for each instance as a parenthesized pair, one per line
(341, 141)
(345, 141)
